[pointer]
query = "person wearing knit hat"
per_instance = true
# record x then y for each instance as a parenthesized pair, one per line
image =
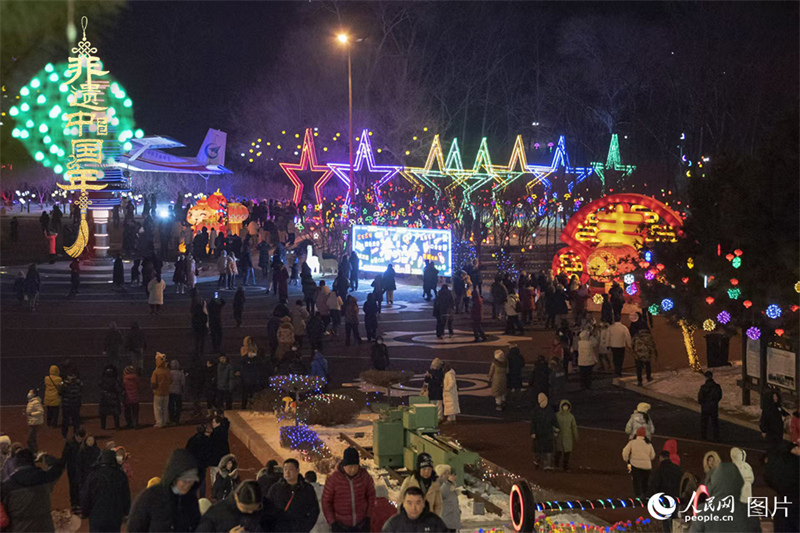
(640, 418)
(639, 455)
(498, 377)
(451, 512)
(424, 477)
(348, 495)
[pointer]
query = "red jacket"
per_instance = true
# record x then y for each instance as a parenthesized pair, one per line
(130, 384)
(348, 500)
(382, 510)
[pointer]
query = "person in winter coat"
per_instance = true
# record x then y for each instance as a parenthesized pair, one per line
(159, 382)
(725, 484)
(515, 365)
(544, 426)
(476, 314)
(424, 477)
(32, 286)
(513, 309)
(587, 357)
(238, 306)
(226, 478)
(220, 445)
(106, 494)
(170, 505)
(539, 380)
(285, 337)
(315, 331)
(379, 354)
(110, 396)
(711, 460)
(155, 296)
(739, 458)
(226, 376)
(619, 338)
(242, 511)
(382, 509)
(341, 284)
(71, 402)
(371, 317)
(87, 456)
(214, 311)
(354, 270)
(300, 316)
(69, 456)
(280, 277)
(640, 418)
(450, 393)
(389, 284)
(708, 397)
(771, 422)
(135, 345)
(321, 300)
(498, 377)
(199, 445)
(191, 272)
(644, 346)
(231, 269)
(443, 308)
(321, 525)
(199, 314)
(414, 515)
(130, 397)
(35, 415)
(319, 365)
(177, 388)
(459, 290)
(434, 383)
(377, 291)
(451, 512)
(639, 455)
(351, 320)
(52, 395)
(269, 475)
(665, 479)
(113, 344)
(253, 370)
(348, 495)
(780, 474)
(179, 277)
(25, 494)
(430, 279)
(671, 446)
(294, 500)
(567, 434)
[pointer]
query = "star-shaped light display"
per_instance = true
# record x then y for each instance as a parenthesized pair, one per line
(342, 170)
(560, 160)
(448, 168)
(308, 161)
(613, 162)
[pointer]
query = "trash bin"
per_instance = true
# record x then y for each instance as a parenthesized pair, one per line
(717, 345)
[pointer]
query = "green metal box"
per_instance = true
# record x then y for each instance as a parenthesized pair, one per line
(421, 417)
(387, 443)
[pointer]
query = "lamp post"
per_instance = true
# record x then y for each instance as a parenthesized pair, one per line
(344, 39)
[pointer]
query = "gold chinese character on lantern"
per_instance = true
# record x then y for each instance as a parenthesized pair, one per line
(86, 151)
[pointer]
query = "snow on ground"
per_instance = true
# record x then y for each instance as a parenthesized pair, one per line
(684, 384)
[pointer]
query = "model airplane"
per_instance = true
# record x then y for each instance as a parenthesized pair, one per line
(146, 155)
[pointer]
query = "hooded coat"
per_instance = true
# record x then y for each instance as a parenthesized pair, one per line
(567, 428)
(435, 381)
(640, 419)
(156, 288)
(671, 446)
(106, 494)
(450, 394)
(226, 480)
(433, 494)
(498, 375)
(160, 379)
(739, 458)
(159, 509)
(726, 482)
(177, 379)
(25, 495)
(87, 457)
(52, 387)
(543, 426)
(34, 410)
(639, 453)
(286, 331)
(348, 500)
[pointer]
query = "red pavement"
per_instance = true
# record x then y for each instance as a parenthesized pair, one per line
(149, 447)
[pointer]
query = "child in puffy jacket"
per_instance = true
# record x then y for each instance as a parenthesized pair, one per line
(130, 396)
(35, 413)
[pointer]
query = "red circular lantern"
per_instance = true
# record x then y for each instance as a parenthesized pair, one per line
(734, 282)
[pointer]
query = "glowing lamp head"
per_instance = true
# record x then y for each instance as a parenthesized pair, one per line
(773, 311)
(667, 304)
(723, 317)
(342, 37)
(747, 304)
(709, 300)
(709, 325)
(779, 332)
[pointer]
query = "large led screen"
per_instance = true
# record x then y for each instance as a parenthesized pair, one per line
(407, 249)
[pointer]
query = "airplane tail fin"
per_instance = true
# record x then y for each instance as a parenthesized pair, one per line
(212, 151)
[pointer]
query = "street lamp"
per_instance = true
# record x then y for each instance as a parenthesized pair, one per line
(344, 39)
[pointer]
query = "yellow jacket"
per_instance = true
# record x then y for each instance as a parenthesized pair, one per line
(52, 388)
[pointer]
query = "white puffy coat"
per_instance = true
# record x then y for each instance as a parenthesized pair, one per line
(450, 396)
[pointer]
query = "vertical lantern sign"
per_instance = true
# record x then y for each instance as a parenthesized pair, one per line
(88, 122)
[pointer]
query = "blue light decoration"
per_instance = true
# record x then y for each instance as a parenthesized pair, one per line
(667, 304)
(631, 289)
(304, 440)
(723, 317)
(560, 161)
(629, 278)
(753, 333)
(648, 256)
(365, 153)
(406, 248)
(773, 311)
